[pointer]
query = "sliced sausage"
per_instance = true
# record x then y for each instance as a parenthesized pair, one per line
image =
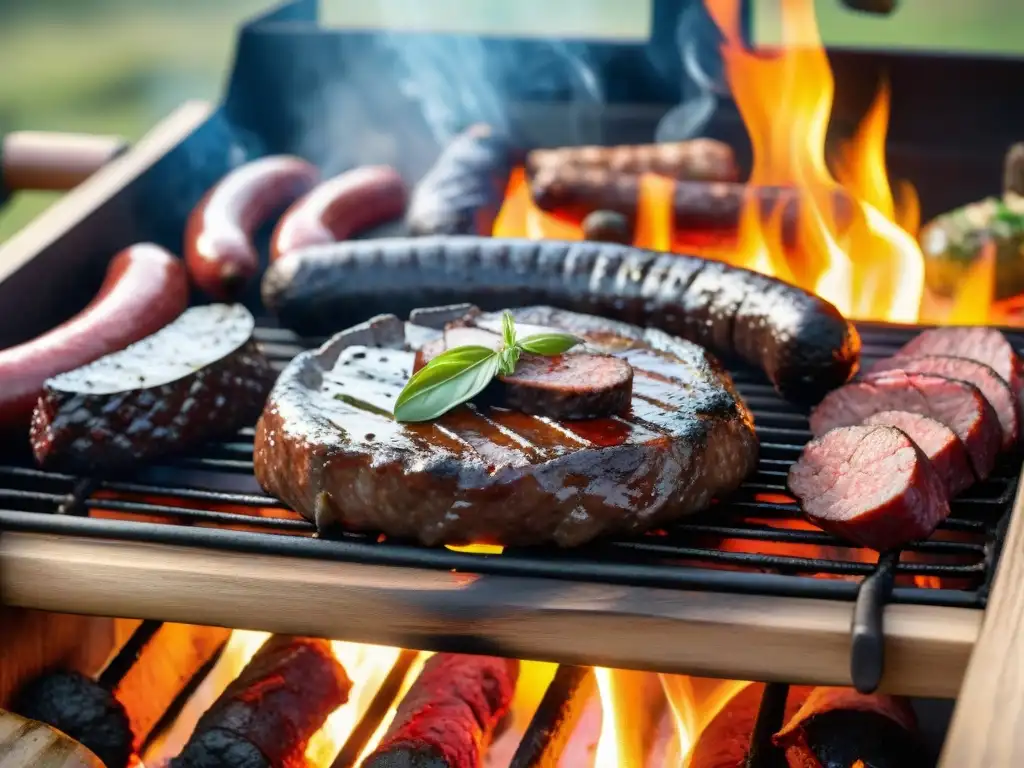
(869, 485)
(986, 345)
(573, 386)
(340, 207)
(957, 404)
(939, 443)
(991, 384)
(145, 289)
(802, 343)
(219, 249)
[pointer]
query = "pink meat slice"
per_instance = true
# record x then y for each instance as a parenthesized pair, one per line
(991, 384)
(957, 404)
(986, 345)
(939, 443)
(870, 485)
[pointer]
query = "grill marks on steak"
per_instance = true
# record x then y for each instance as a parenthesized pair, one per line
(198, 378)
(957, 404)
(939, 443)
(327, 445)
(871, 485)
(998, 393)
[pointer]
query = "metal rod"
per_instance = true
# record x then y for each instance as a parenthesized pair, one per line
(125, 659)
(867, 655)
(556, 717)
(770, 715)
(375, 713)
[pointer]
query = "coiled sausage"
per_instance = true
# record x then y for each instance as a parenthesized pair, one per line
(219, 251)
(801, 342)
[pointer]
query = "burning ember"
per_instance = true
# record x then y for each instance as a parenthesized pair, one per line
(842, 233)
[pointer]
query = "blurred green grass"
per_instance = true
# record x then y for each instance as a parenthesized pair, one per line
(108, 66)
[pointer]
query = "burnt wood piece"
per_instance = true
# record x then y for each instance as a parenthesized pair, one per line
(463, 191)
(1013, 170)
(89, 713)
(449, 716)
(692, 160)
(552, 724)
(267, 715)
(836, 727)
(698, 207)
(801, 342)
(200, 377)
(328, 428)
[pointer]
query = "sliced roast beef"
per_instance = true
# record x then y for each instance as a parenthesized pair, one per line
(957, 404)
(869, 485)
(569, 386)
(991, 384)
(986, 345)
(939, 443)
(327, 444)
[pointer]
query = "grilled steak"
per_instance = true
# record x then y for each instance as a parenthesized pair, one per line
(327, 446)
(450, 714)
(986, 345)
(198, 378)
(939, 443)
(991, 384)
(869, 485)
(957, 404)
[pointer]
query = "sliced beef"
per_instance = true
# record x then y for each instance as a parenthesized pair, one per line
(991, 384)
(869, 485)
(569, 386)
(957, 404)
(986, 345)
(328, 446)
(939, 443)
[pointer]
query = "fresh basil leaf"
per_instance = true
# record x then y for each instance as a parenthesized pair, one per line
(508, 329)
(549, 344)
(509, 356)
(449, 380)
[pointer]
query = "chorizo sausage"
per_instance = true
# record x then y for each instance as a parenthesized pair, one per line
(802, 343)
(145, 289)
(339, 207)
(219, 251)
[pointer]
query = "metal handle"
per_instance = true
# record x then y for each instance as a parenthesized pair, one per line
(53, 161)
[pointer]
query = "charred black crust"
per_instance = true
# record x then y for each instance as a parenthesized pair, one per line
(408, 756)
(802, 343)
(218, 748)
(839, 739)
(84, 710)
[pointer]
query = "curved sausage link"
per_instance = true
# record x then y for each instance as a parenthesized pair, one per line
(145, 289)
(219, 251)
(801, 342)
(340, 207)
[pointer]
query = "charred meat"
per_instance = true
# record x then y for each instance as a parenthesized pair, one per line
(200, 377)
(328, 446)
(695, 159)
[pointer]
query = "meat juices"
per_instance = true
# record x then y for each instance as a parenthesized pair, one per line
(869, 485)
(200, 377)
(993, 387)
(957, 404)
(986, 345)
(328, 446)
(939, 443)
(450, 714)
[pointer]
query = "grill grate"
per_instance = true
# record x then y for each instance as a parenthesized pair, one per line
(753, 543)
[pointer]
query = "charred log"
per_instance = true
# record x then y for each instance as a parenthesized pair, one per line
(266, 717)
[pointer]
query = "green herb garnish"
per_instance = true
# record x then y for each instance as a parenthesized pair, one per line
(460, 374)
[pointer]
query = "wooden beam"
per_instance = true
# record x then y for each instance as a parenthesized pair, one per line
(710, 634)
(987, 728)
